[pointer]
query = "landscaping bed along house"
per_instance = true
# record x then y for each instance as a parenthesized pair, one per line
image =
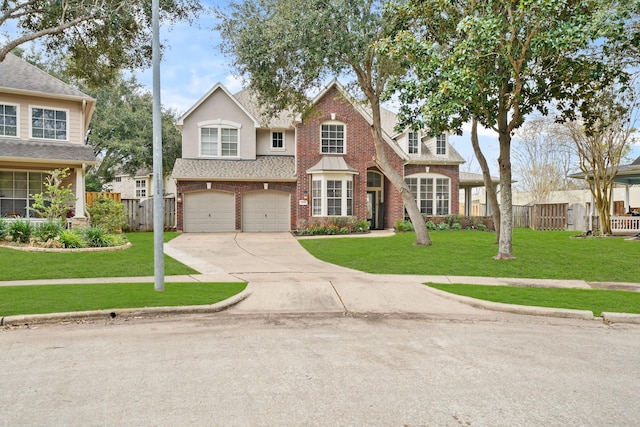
(51, 208)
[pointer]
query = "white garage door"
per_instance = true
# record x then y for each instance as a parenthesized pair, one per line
(265, 211)
(209, 212)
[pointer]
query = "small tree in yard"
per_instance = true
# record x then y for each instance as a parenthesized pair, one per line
(107, 214)
(57, 199)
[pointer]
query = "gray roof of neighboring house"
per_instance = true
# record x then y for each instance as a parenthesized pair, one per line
(15, 149)
(333, 164)
(273, 168)
(19, 75)
(426, 156)
(475, 179)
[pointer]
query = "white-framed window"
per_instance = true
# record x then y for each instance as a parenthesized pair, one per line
(9, 119)
(332, 195)
(16, 192)
(219, 138)
(47, 123)
(413, 143)
(432, 193)
(441, 144)
(332, 138)
(277, 140)
(141, 188)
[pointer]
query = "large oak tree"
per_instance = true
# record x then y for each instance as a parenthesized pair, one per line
(287, 48)
(499, 60)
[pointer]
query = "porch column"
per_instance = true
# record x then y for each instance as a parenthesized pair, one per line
(627, 203)
(80, 193)
(467, 201)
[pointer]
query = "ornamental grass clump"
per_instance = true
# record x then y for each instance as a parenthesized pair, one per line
(49, 230)
(20, 231)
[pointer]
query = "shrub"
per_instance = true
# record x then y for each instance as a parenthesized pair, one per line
(443, 226)
(401, 226)
(108, 214)
(362, 226)
(456, 226)
(430, 225)
(4, 228)
(481, 227)
(72, 239)
(48, 230)
(21, 231)
(96, 237)
(114, 239)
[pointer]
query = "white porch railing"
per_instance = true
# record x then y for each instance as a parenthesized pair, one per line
(625, 224)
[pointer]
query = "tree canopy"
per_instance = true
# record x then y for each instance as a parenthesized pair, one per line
(499, 60)
(102, 36)
(285, 49)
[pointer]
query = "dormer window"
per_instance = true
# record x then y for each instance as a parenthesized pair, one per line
(414, 147)
(441, 144)
(332, 140)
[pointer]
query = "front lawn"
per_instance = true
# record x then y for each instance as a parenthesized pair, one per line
(539, 254)
(595, 300)
(133, 262)
(19, 300)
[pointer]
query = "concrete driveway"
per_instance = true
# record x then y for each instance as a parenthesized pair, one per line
(285, 278)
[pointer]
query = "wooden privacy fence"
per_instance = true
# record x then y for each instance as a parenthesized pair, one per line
(521, 216)
(92, 196)
(140, 214)
(550, 216)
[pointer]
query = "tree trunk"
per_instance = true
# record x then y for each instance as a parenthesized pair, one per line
(492, 197)
(397, 180)
(506, 208)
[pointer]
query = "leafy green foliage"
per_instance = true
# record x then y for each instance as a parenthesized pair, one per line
(95, 237)
(401, 226)
(57, 200)
(98, 38)
(108, 214)
(4, 228)
(72, 239)
(21, 230)
(48, 230)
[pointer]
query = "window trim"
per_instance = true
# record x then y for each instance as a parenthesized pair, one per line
(346, 195)
(344, 137)
(433, 191)
(219, 124)
(30, 191)
(284, 140)
(141, 187)
(67, 128)
(17, 135)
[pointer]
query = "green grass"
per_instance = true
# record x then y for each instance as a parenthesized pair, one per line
(133, 262)
(595, 300)
(539, 254)
(19, 300)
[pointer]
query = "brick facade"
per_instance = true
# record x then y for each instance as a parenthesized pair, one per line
(360, 154)
(238, 188)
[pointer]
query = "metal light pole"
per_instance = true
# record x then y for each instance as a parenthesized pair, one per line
(158, 193)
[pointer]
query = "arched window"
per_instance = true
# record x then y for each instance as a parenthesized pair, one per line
(219, 138)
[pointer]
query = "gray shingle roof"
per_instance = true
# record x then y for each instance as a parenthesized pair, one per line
(427, 156)
(273, 168)
(17, 74)
(16, 149)
(283, 121)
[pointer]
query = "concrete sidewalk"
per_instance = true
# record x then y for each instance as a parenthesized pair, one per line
(284, 278)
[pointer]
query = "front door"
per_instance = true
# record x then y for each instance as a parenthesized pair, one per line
(372, 208)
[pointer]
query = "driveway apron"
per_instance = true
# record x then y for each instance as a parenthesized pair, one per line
(285, 278)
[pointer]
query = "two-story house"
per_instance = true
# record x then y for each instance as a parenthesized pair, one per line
(43, 123)
(239, 173)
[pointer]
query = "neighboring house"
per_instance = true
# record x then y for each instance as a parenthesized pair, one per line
(139, 186)
(238, 173)
(43, 123)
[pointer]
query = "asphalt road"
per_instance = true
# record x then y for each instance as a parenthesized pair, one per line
(323, 369)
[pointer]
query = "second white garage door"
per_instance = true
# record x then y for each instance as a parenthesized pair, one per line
(209, 212)
(266, 211)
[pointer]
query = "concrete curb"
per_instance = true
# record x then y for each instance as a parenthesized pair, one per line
(125, 313)
(621, 318)
(516, 309)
